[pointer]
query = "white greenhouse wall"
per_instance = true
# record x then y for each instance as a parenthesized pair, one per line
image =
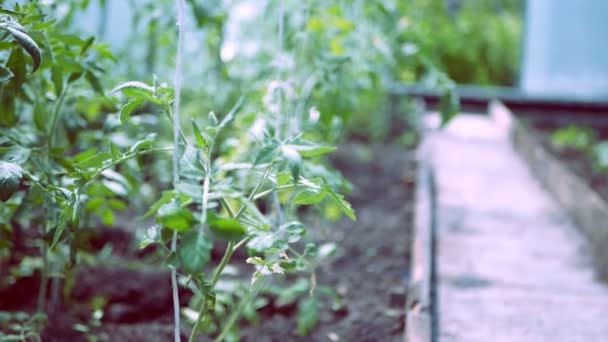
(565, 50)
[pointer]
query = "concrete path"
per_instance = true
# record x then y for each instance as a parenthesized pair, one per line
(510, 265)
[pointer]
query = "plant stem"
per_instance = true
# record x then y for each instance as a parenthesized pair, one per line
(226, 205)
(32, 179)
(55, 118)
(281, 187)
(201, 313)
(205, 202)
(223, 263)
(175, 293)
(170, 114)
(242, 242)
(214, 280)
(180, 5)
(230, 248)
(254, 192)
(44, 276)
(124, 158)
(241, 306)
(203, 308)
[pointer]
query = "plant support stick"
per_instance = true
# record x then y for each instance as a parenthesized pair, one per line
(176, 136)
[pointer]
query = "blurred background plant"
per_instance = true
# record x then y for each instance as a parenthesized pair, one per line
(473, 42)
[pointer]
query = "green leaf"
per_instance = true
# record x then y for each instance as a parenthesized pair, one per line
(191, 165)
(6, 45)
(26, 42)
(137, 90)
(294, 159)
(107, 217)
(201, 142)
(262, 241)
(117, 204)
(267, 153)
(87, 44)
(144, 143)
(312, 151)
(327, 249)
(226, 228)
(573, 137)
(311, 250)
(449, 106)
(230, 116)
(600, 154)
(283, 178)
(16, 63)
(308, 315)
(151, 236)
(195, 252)
(294, 231)
(94, 82)
(174, 217)
(57, 77)
(85, 155)
(59, 231)
(17, 154)
(74, 76)
(97, 161)
(5, 74)
(8, 114)
(212, 119)
(10, 178)
(345, 207)
(128, 108)
(290, 294)
(256, 261)
(309, 197)
(167, 197)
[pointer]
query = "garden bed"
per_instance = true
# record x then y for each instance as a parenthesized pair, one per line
(576, 161)
(369, 271)
(569, 175)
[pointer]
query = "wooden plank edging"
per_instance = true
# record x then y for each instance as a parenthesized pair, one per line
(585, 206)
(419, 321)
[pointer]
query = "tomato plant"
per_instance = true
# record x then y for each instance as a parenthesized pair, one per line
(246, 152)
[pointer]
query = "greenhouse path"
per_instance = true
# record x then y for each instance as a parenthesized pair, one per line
(510, 266)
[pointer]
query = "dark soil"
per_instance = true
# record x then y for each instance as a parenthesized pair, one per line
(370, 270)
(578, 161)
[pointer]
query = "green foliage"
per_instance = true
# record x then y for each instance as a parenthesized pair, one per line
(195, 252)
(572, 137)
(174, 217)
(260, 127)
(308, 315)
(19, 33)
(20, 326)
(225, 228)
(584, 141)
(10, 178)
(474, 42)
(600, 156)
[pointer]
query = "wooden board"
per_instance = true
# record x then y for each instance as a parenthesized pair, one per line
(419, 320)
(587, 209)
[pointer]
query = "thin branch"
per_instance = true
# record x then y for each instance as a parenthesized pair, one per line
(180, 4)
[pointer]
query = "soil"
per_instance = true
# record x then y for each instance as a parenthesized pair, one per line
(578, 161)
(370, 269)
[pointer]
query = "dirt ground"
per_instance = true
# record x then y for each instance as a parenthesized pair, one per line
(577, 161)
(370, 270)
